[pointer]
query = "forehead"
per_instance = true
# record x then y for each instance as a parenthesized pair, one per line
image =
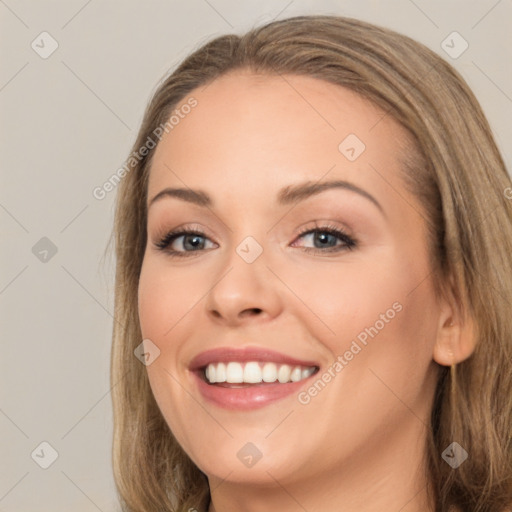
(254, 130)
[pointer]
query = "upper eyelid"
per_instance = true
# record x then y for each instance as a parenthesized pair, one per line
(184, 230)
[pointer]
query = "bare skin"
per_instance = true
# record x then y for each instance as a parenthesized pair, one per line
(357, 444)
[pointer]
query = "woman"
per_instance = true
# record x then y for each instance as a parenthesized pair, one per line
(340, 337)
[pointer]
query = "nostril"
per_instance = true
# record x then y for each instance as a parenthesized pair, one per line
(251, 311)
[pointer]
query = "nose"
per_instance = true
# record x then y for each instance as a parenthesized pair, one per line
(243, 292)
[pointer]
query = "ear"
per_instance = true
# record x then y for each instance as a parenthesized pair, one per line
(456, 334)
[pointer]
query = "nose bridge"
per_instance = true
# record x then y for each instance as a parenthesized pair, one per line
(244, 284)
(248, 245)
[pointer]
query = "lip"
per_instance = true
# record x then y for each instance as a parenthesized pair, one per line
(250, 397)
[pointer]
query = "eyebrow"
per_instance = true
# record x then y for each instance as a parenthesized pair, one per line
(287, 195)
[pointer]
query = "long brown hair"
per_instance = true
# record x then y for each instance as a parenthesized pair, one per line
(458, 175)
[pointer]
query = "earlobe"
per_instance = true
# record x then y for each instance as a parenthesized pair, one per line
(456, 335)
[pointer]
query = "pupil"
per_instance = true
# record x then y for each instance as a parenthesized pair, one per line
(323, 238)
(194, 241)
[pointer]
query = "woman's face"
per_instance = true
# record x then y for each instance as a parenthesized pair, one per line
(307, 254)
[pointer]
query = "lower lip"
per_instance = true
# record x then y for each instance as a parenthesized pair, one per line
(250, 397)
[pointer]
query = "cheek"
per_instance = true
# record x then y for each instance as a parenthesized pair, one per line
(342, 298)
(164, 298)
(384, 334)
(164, 301)
(395, 326)
(379, 304)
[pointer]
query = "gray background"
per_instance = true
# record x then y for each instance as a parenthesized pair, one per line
(67, 123)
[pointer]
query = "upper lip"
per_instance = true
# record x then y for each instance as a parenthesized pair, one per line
(244, 355)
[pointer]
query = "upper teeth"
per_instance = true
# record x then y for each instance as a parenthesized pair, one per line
(254, 372)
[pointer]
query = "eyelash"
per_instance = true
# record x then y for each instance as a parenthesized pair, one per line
(348, 242)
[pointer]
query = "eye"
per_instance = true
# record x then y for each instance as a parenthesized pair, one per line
(182, 241)
(327, 239)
